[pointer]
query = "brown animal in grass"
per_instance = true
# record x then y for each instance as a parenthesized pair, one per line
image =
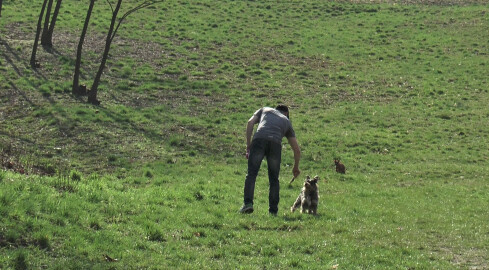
(309, 197)
(340, 168)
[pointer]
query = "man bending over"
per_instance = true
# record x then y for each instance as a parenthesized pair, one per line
(273, 125)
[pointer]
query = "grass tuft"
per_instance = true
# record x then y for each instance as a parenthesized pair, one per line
(20, 260)
(75, 175)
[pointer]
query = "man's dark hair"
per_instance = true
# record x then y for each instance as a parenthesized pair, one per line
(284, 109)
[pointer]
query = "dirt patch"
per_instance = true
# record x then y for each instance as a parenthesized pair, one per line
(470, 258)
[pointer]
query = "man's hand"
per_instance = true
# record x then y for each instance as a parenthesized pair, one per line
(247, 153)
(296, 172)
(297, 156)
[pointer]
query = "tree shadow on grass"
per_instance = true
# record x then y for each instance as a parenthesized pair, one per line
(73, 136)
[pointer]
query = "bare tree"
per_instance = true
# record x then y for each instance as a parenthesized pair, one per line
(92, 94)
(48, 39)
(46, 22)
(76, 90)
(34, 63)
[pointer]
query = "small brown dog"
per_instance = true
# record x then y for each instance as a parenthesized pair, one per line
(340, 168)
(309, 197)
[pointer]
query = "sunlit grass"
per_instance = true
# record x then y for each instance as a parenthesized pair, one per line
(154, 176)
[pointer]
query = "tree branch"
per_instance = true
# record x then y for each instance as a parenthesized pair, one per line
(110, 4)
(142, 5)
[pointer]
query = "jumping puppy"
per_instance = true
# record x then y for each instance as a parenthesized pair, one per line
(309, 197)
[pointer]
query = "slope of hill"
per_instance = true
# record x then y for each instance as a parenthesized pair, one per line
(152, 178)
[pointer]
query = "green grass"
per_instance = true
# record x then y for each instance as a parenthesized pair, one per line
(185, 216)
(154, 176)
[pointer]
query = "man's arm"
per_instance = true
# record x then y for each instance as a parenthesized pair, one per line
(249, 131)
(297, 155)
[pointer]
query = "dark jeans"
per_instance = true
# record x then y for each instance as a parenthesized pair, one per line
(259, 149)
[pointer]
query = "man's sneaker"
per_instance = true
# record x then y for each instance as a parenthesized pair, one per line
(246, 209)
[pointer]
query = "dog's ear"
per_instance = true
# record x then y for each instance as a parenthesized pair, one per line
(316, 178)
(308, 178)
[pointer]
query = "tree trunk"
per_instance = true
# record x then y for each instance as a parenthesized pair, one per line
(76, 89)
(49, 35)
(34, 63)
(92, 94)
(45, 29)
(0, 8)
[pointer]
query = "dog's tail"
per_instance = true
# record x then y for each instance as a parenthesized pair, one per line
(296, 204)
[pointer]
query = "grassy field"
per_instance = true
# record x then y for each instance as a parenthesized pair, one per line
(153, 177)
